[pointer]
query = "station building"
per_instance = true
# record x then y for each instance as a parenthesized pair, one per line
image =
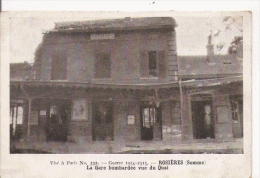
(121, 80)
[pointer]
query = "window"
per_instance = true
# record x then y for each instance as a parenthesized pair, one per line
(153, 64)
(102, 65)
(149, 117)
(59, 66)
(234, 110)
(16, 115)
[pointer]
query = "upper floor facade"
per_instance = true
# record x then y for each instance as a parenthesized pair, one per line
(130, 50)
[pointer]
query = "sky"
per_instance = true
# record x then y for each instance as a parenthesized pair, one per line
(26, 29)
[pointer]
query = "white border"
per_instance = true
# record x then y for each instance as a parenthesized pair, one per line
(148, 6)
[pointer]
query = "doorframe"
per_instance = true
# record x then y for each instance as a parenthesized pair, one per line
(147, 104)
(209, 92)
(95, 100)
(237, 98)
(57, 101)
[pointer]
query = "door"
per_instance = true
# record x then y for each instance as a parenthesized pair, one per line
(103, 120)
(202, 117)
(237, 115)
(57, 120)
(151, 123)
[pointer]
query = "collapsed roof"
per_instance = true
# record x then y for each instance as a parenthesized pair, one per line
(126, 23)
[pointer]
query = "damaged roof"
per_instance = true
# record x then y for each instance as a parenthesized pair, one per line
(126, 23)
(199, 67)
(21, 71)
(174, 84)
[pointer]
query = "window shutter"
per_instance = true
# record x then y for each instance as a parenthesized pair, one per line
(162, 64)
(144, 69)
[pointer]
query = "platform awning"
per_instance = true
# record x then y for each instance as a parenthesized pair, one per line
(104, 85)
(211, 82)
(141, 86)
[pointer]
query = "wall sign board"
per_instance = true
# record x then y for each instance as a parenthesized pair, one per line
(106, 36)
(130, 119)
(43, 113)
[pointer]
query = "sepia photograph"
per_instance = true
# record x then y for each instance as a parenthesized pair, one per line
(155, 91)
(140, 95)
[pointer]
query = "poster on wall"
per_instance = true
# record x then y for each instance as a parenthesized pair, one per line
(79, 110)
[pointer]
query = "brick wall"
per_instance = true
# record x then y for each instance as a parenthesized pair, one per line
(171, 125)
(223, 126)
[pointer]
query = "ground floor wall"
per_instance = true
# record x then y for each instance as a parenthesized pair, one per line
(128, 116)
(212, 112)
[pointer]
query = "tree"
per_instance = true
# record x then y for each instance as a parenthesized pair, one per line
(233, 29)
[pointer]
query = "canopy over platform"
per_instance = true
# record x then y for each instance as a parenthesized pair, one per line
(142, 86)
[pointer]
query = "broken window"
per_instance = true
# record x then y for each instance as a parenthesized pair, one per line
(149, 117)
(234, 110)
(153, 64)
(102, 65)
(59, 66)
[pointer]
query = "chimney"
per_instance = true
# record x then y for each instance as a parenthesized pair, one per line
(210, 50)
(127, 19)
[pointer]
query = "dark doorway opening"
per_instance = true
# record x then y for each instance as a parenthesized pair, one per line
(58, 113)
(150, 122)
(103, 121)
(236, 102)
(202, 116)
(17, 118)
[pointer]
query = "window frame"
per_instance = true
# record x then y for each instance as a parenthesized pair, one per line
(152, 54)
(161, 66)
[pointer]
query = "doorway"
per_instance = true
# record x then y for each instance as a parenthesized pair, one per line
(103, 120)
(236, 102)
(58, 113)
(150, 122)
(202, 116)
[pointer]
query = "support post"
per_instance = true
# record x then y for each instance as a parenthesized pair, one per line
(181, 98)
(29, 117)
(157, 100)
(15, 124)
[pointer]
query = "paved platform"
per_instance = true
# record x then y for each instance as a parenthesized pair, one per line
(206, 146)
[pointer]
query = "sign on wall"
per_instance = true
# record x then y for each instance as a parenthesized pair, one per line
(130, 119)
(79, 110)
(43, 113)
(106, 36)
